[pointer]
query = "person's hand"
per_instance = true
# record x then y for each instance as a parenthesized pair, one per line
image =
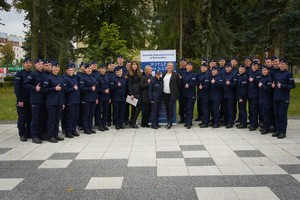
(149, 81)
(126, 77)
(38, 87)
(109, 101)
(240, 100)
(132, 97)
(58, 88)
(273, 84)
(200, 86)
(213, 81)
(63, 107)
(180, 76)
(21, 104)
(94, 88)
(75, 87)
(142, 71)
(106, 91)
(251, 79)
(279, 85)
(227, 82)
(97, 101)
(119, 84)
(186, 85)
(152, 102)
(260, 84)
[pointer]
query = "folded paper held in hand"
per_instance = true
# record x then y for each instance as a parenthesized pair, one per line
(134, 102)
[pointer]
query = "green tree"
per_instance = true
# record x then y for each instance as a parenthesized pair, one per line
(4, 6)
(7, 52)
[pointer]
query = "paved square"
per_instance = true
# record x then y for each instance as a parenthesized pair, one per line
(145, 163)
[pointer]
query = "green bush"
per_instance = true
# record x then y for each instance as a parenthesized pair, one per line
(9, 79)
(6, 84)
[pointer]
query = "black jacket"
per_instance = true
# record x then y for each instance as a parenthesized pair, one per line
(145, 87)
(175, 84)
(134, 86)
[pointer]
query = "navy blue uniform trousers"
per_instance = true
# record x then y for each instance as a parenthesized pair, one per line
(228, 105)
(215, 108)
(119, 112)
(253, 107)
(37, 120)
(88, 111)
(243, 112)
(189, 103)
(54, 115)
(205, 109)
(24, 119)
(155, 108)
(72, 111)
(265, 110)
(280, 111)
(102, 113)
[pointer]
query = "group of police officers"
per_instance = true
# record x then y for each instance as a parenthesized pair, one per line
(44, 98)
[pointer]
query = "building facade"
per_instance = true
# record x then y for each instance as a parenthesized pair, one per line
(16, 43)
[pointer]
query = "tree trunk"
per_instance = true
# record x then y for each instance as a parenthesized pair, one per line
(281, 45)
(35, 30)
(181, 31)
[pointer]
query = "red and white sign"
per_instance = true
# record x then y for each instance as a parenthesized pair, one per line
(3, 70)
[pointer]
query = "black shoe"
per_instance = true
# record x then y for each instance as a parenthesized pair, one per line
(126, 122)
(275, 134)
(241, 126)
(272, 130)
(45, 137)
(63, 131)
(23, 138)
(75, 134)
(87, 132)
(200, 123)
(101, 128)
(106, 128)
(154, 127)
(210, 124)
(263, 132)
(216, 126)
(204, 126)
(59, 138)
(223, 124)
(117, 127)
(92, 131)
(181, 121)
(36, 140)
(122, 126)
(108, 123)
(281, 136)
(229, 126)
(134, 126)
(252, 128)
(158, 126)
(184, 125)
(52, 140)
(69, 135)
(28, 136)
(238, 120)
(169, 126)
(188, 126)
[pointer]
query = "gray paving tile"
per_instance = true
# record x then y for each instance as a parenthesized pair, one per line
(20, 194)
(16, 172)
(79, 165)
(59, 194)
(63, 156)
(111, 167)
(192, 148)
(46, 173)
(169, 154)
(34, 184)
(6, 164)
(140, 177)
(75, 183)
(291, 169)
(227, 181)
(278, 180)
(179, 182)
(177, 193)
(4, 150)
(138, 193)
(287, 192)
(32, 164)
(249, 153)
(3, 193)
(99, 194)
(199, 162)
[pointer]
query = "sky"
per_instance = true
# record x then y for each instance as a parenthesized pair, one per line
(13, 22)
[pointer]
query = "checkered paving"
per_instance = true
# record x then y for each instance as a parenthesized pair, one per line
(153, 164)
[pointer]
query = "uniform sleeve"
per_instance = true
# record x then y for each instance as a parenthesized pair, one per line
(113, 85)
(47, 86)
(100, 87)
(83, 88)
(18, 86)
(130, 89)
(192, 82)
(290, 82)
(144, 82)
(267, 87)
(68, 88)
(233, 82)
(244, 87)
(28, 82)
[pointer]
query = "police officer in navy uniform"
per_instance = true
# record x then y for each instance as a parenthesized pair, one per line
(234, 64)
(104, 98)
(155, 93)
(268, 62)
(120, 61)
(111, 75)
(215, 96)
(34, 84)
(247, 63)
(254, 78)
(241, 95)
(119, 87)
(23, 100)
(79, 76)
(229, 86)
(283, 83)
(88, 87)
(202, 80)
(95, 74)
(181, 71)
(54, 88)
(72, 101)
(188, 81)
(265, 97)
(222, 72)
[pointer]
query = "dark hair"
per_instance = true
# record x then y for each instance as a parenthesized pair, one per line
(138, 70)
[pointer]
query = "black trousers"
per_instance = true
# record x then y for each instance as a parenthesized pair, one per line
(169, 103)
(135, 112)
(146, 114)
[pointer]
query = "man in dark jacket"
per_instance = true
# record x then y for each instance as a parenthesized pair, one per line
(145, 82)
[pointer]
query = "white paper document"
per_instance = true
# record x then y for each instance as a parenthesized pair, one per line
(134, 102)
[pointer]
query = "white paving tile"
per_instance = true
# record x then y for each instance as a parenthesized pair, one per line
(285, 160)
(204, 170)
(229, 162)
(236, 170)
(172, 171)
(216, 193)
(105, 183)
(142, 162)
(267, 169)
(55, 164)
(9, 183)
(296, 176)
(178, 162)
(257, 193)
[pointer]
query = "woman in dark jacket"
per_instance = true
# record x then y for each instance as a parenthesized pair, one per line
(172, 85)
(134, 79)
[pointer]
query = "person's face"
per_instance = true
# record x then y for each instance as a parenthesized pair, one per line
(228, 69)
(182, 64)
(82, 68)
(189, 68)
(254, 67)
(268, 63)
(282, 66)
(134, 66)
(222, 63)
(233, 63)
(247, 63)
(55, 69)
(120, 61)
(119, 73)
(275, 63)
(214, 72)
(211, 64)
(242, 70)
(157, 76)
(88, 70)
(265, 71)
(47, 67)
(102, 70)
(111, 67)
(170, 67)
(70, 72)
(148, 70)
(39, 66)
(94, 66)
(203, 69)
(203, 61)
(128, 66)
(27, 65)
